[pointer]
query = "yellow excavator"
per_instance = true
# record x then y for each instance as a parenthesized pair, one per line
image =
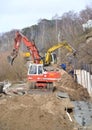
(51, 58)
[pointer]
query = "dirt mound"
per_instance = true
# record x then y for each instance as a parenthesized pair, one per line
(75, 90)
(34, 112)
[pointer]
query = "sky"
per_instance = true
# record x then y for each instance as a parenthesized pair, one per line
(18, 14)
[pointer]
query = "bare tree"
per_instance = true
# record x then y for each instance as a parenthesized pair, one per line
(86, 14)
(71, 25)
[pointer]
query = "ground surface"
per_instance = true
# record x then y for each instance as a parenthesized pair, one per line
(40, 110)
(35, 112)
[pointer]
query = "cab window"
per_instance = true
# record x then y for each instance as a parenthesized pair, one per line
(33, 69)
(39, 69)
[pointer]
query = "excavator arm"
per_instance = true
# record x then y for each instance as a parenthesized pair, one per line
(57, 46)
(19, 37)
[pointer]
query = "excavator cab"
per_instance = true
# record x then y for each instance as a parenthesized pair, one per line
(35, 69)
(53, 58)
(50, 58)
(38, 77)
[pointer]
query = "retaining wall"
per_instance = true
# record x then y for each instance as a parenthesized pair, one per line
(85, 79)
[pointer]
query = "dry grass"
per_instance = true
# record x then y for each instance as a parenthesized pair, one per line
(16, 72)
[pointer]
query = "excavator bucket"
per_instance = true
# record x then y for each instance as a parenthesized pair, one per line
(10, 59)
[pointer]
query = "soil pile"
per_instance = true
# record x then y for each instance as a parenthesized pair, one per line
(35, 112)
(69, 85)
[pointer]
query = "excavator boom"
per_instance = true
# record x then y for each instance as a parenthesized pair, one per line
(30, 46)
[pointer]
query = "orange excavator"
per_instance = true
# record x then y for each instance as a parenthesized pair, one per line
(37, 75)
(30, 46)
